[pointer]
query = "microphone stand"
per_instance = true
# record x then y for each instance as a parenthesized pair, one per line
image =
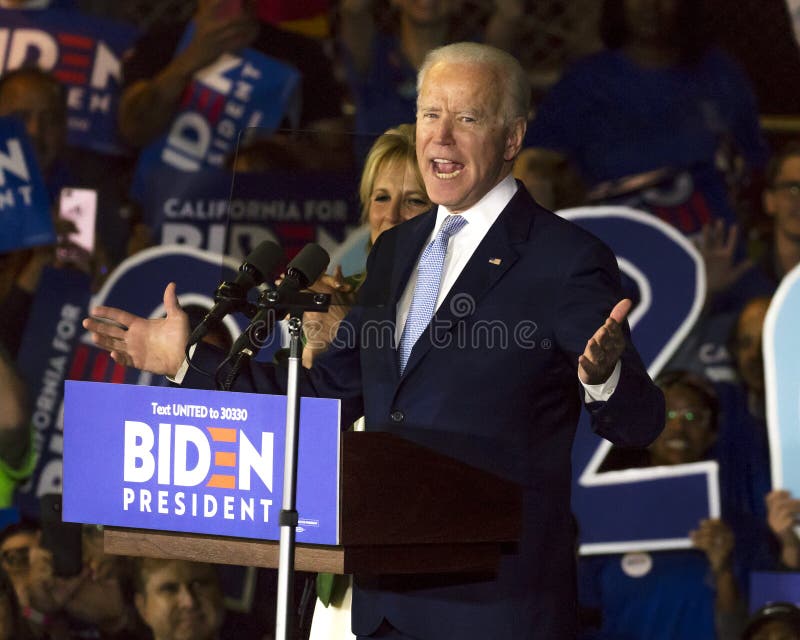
(288, 516)
(296, 303)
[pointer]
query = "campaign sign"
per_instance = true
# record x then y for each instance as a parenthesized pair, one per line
(199, 209)
(781, 344)
(45, 361)
(654, 507)
(24, 203)
(84, 52)
(773, 586)
(236, 92)
(196, 461)
(56, 348)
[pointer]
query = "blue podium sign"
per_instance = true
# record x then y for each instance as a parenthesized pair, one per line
(196, 461)
(781, 344)
(654, 507)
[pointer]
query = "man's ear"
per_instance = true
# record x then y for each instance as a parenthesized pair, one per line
(514, 137)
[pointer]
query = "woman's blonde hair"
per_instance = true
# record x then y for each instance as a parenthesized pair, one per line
(396, 144)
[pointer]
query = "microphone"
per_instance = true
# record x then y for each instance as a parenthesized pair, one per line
(231, 296)
(308, 265)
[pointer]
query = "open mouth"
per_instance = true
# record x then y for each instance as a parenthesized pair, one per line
(446, 169)
(676, 444)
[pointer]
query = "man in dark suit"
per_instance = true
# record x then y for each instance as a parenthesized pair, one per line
(527, 325)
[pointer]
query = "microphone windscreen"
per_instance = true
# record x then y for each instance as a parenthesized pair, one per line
(264, 259)
(309, 264)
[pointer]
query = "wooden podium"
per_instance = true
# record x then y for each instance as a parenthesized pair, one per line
(404, 509)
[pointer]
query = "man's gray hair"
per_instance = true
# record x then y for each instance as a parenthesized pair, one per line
(515, 87)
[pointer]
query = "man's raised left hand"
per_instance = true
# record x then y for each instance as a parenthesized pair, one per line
(605, 347)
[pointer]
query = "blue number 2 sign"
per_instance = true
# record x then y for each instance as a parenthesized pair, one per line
(782, 379)
(656, 507)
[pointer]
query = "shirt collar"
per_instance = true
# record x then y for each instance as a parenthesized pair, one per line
(483, 213)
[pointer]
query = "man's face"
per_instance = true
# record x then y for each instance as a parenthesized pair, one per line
(463, 147)
(782, 199)
(39, 106)
(181, 601)
(747, 347)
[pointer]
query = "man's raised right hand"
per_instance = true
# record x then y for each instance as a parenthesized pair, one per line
(156, 345)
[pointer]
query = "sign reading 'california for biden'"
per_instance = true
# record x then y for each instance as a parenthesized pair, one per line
(196, 461)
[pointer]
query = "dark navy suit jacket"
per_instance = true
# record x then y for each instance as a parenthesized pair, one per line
(494, 384)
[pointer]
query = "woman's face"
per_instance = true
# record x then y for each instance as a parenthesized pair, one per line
(688, 432)
(396, 196)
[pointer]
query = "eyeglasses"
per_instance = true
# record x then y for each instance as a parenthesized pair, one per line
(688, 416)
(791, 189)
(16, 559)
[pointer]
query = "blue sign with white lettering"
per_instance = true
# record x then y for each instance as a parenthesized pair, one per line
(654, 507)
(24, 204)
(292, 208)
(84, 52)
(49, 354)
(197, 461)
(238, 91)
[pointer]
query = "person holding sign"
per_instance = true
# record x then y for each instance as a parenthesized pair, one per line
(486, 254)
(155, 84)
(667, 594)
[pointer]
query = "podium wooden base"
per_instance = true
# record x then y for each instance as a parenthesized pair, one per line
(422, 558)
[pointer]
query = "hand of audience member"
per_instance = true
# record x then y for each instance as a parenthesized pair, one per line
(216, 34)
(717, 245)
(156, 345)
(783, 513)
(715, 539)
(320, 328)
(98, 601)
(47, 592)
(605, 347)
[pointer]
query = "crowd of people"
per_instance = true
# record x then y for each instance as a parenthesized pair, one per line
(661, 120)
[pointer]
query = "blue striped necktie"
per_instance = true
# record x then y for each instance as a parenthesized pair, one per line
(426, 290)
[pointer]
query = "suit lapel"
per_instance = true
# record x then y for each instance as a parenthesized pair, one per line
(407, 251)
(494, 256)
